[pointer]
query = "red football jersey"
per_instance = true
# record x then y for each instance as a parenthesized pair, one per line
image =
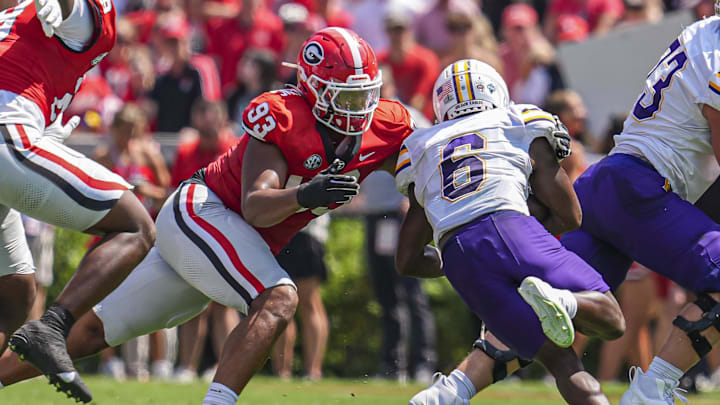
(44, 70)
(284, 118)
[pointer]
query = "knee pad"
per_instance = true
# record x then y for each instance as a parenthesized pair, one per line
(501, 357)
(710, 317)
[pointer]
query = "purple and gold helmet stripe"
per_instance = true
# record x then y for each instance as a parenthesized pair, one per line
(456, 83)
(468, 81)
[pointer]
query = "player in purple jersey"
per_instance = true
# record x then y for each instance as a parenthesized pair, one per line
(510, 271)
(637, 205)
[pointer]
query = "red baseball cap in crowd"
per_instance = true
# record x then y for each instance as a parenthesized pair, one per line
(571, 28)
(519, 14)
(175, 27)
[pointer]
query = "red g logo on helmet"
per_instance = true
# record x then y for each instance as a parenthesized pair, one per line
(313, 53)
(338, 74)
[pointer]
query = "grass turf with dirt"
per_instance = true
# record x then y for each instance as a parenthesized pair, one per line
(273, 391)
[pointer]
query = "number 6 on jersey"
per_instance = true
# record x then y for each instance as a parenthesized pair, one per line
(462, 169)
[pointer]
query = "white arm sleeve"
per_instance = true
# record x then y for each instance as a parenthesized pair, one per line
(77, 29)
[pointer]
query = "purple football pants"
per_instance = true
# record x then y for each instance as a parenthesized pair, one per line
(487, 259)
(628, 215)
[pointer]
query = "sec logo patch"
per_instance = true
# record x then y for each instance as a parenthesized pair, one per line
(313, 162)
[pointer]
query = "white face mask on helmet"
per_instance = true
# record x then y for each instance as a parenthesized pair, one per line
(468, 86)
(717, 7)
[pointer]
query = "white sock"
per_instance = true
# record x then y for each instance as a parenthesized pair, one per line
(218, 394)
(660, 368)
(462, 384)
(1, 386)
(568, 298)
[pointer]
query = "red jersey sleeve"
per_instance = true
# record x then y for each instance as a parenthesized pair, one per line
(268, 117)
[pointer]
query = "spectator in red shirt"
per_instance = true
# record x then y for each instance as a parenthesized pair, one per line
(188, 78)
(254, 27)
(146, 20)
(116, 66)
(333, 13)
(209, 137)
(601, 15)
(528, 58)
(414, 67)
(571, 28)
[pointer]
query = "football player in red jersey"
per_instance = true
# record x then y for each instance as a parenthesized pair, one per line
(303, 154)
(46, 46)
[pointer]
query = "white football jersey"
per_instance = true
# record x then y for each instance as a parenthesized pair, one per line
(471, 166)
(666, 126)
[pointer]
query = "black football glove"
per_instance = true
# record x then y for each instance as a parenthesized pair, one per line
(326, 189)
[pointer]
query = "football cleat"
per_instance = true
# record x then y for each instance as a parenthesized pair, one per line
(438, 393)
(45, 348)
(648, 390)
(548, 306)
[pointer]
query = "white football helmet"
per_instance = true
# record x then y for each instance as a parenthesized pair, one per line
(468, 86)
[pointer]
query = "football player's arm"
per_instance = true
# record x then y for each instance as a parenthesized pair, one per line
(414, 257)
(264, 200)
(553, 189)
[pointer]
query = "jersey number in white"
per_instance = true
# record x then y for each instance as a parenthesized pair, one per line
(255, 114)
(59, 105)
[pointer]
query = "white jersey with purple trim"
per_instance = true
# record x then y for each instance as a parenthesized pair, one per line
(471, 166)
(666, 126)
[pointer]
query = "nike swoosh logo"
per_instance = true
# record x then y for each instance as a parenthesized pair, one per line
(363, 157)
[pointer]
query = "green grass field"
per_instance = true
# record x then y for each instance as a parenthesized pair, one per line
(271, 391)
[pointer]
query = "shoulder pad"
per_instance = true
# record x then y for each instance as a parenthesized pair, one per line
(392, 119)
(533, 117)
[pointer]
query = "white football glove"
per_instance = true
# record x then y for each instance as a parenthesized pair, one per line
(49, 13)
(59, 131)
(560, 139)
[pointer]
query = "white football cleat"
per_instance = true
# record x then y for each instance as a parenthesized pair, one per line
(438, 394)
(648, 390)
(548, 306)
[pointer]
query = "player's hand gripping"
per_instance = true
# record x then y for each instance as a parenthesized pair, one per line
(560, 139)
(59, 131)
(326, 189)
(49, 13)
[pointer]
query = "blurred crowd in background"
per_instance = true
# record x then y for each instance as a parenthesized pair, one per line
(188, 68)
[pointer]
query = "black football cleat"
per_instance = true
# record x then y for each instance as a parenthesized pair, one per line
(45, 348)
